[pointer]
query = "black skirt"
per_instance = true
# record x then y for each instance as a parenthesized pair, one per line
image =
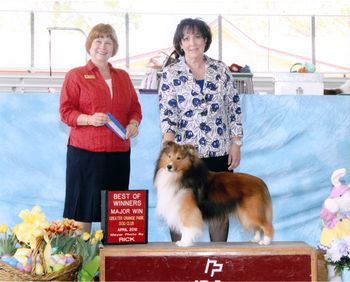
(217, 163)
(88, 173)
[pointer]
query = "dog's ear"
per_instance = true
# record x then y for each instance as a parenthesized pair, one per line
(190, 149)
(167, 144)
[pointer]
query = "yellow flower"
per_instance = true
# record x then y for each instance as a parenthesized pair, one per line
(35, 216)
(32, 227)
(99, 235)
(85, 236)
(3, 228)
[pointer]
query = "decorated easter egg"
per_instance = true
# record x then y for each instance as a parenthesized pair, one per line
(28, 268)
(58, 267)
(22, 259)
(20, 266)
(49, 269)
(61, 261)
(39, 270)
(69, 259)
(12, 261)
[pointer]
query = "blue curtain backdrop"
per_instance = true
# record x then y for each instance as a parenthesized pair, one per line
(293, 143)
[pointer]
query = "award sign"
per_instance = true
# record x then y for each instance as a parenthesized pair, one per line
(124, 217)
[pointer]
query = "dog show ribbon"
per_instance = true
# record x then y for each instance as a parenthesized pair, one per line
(116, 127)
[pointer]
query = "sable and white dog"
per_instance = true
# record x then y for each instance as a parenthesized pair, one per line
(189, 195)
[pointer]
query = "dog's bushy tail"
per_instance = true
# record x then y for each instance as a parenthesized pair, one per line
(224, 192)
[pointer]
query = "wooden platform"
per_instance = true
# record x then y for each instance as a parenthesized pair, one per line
(280, 261)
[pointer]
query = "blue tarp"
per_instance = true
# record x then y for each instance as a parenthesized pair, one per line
(293, 143)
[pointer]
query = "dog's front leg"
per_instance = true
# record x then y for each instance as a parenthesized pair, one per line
(265, 241)
(186, 239)
(188, 236)
(256, 237)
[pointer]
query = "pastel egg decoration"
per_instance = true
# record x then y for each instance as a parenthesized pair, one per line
(39, 269)
(69, 259)
(10, 261)
(27, 268)
(58, 267)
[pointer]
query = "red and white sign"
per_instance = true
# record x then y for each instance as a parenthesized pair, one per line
(125, 216)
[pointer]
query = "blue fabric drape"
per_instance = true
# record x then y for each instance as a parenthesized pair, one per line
(294, 143)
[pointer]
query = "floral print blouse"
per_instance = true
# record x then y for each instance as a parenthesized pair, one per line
(207, 118)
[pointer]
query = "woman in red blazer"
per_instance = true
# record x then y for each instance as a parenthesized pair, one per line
(97, 158)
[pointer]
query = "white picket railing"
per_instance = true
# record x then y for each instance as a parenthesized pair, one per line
(43, 83)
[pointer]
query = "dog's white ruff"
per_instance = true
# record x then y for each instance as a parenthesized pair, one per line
(169, 202)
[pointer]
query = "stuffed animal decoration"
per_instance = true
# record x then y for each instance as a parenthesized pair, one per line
(235, 68)
(238, 68)
(335, 212)
(303, 67)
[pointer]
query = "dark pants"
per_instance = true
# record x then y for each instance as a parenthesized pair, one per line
(218, 230)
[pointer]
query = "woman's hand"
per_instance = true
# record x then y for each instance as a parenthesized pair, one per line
(97, 119)
(132, 129)
(169, 136)
(234, 156)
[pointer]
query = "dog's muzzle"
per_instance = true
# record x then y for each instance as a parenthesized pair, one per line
(169, 167)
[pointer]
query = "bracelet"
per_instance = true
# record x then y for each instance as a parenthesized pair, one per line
(238, 142)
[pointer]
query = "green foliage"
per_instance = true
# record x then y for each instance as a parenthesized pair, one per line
(8, 244)
(87, 249)
(63, 243)
(342, 264)
(89, 270)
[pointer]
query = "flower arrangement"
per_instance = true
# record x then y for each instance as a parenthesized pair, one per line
(8, 242)
(39, 247)
(335, 235)
(88, 247)
(338, 254)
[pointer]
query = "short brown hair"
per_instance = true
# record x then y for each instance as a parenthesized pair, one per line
(195, 25)
(99, 30)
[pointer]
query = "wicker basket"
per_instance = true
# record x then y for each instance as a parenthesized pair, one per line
(68, 273)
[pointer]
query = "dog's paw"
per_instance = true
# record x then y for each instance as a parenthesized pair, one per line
(266, 241)
(256, 237)
(184, 244)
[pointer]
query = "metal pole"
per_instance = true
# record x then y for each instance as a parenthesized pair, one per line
(313, 42)
(32, 39)
(220, 37)
(269, 42)
(62, 28)
(127, 41)
(50, 52)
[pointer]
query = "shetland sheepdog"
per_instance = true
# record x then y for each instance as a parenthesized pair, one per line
(188, 195)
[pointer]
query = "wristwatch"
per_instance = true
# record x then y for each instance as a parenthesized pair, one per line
(238, 142)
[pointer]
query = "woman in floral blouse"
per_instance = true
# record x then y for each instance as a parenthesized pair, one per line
(199, 105)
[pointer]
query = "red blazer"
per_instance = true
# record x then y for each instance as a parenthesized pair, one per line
(85, 91)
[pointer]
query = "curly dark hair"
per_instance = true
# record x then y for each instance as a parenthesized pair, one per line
(194, 25)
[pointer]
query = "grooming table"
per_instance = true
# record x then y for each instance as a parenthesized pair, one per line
(280, 261)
